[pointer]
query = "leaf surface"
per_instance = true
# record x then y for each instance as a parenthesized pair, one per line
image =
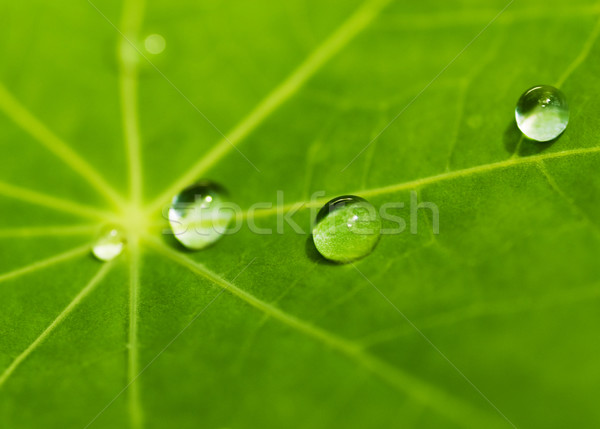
(490, 323)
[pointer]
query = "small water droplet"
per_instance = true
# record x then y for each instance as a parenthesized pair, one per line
(199, 215)
(155, 44)
(109, 244)
(347, 228)
(542, 113)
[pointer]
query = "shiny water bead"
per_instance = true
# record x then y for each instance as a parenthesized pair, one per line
(347, 228)
(542, 113)
(198, 215)
(109, 244)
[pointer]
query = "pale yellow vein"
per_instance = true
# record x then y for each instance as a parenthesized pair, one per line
(42, 199)
(135, 407)
(585, 52)
(62, 257)
(247, 345)
(41, 231)
(581, 57)
(28, 122)
(289, 87)
(131, 21)
(463, 89)
(55, 323)
(451, 407)
(424, 181)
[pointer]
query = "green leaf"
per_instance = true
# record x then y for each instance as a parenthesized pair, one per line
(490, 323)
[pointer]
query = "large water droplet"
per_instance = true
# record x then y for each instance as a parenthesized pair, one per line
(347, 228)
(109, 244)
(542, 113)
(199, 216)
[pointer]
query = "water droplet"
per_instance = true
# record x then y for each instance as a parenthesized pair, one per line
(109, 244)
(199, 215)
(347, 228)
(155, 44)
(542, 113)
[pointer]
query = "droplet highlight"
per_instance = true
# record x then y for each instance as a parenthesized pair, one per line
(199, 215)
(109, 244)
(347, 228)
(542, 113)
(155, 44)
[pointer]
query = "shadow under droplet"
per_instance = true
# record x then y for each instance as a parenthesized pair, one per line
(511, 138)
(512, 142)
(171, 241)
(532, 147)
(314, 255)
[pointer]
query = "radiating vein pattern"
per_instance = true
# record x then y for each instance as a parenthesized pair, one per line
(28, 122)
(447, 405)
(384, 354)
(290, 86)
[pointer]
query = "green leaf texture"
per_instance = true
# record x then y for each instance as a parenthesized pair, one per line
(491, 323)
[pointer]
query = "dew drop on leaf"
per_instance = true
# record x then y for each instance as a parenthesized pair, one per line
(542, 113)
(347, 228)
(155, 44)
(109, 244)
(199, 215)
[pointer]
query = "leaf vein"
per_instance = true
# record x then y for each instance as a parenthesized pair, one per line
(70, 254)
(45, 200)
(28, 122)
(56, 322)
(428, 180)
(284, 91)
(451, 407)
